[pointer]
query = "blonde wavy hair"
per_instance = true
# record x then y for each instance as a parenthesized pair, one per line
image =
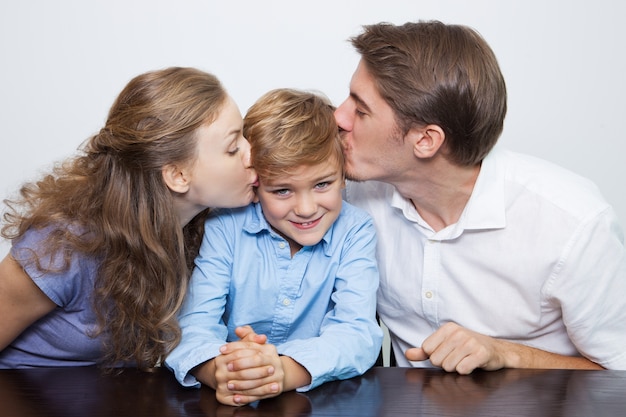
(287, 128)
(113, 192)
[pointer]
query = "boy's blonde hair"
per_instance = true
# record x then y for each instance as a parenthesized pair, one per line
(288, 128)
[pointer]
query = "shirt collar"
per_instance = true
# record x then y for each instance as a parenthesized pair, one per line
(486, 207)
(255, 221)
(484, 210)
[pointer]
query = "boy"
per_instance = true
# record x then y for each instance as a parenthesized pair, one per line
(298, 267)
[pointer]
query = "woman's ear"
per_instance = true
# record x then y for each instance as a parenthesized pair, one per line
(426, 140)
(176, 179)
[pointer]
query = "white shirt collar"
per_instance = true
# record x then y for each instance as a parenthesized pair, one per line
(486, 206)
(484, 210)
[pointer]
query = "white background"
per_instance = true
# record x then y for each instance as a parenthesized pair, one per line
(63, 62)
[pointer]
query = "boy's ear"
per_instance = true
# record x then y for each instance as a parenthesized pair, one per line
(426, 140)
(175, 178)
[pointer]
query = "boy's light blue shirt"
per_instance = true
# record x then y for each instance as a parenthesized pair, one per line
(318, 307)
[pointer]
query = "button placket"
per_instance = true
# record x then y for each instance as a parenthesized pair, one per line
(432, 252)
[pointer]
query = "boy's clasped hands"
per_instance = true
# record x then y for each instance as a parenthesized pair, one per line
(247, 370)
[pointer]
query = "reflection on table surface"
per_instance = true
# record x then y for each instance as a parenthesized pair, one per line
(87, 392)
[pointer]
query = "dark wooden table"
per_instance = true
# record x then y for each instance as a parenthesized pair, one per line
(86, 392)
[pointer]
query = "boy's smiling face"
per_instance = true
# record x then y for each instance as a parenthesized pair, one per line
(303, 205)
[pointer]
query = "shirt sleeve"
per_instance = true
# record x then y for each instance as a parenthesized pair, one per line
(64, 284)
(202, 326)
(350, 337)
(589, 284)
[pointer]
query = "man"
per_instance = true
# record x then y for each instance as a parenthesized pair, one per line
(489, 259)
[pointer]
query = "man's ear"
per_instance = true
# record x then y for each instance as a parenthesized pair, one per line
(175, 178)
(426, 140)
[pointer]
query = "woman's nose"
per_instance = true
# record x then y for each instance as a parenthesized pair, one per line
(245, 151)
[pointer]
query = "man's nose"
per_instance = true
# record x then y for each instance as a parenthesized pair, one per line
(342, 116)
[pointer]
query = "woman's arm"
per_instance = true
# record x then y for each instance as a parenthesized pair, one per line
(21, 301)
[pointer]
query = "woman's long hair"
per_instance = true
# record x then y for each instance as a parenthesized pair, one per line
(113, 192)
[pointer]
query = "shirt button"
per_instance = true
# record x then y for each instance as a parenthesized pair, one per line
(286, 301)
(281, 245)
(429, 294)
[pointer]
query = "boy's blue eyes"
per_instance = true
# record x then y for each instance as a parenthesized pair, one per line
(318, 186)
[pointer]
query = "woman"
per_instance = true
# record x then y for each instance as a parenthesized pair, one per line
(103, 245)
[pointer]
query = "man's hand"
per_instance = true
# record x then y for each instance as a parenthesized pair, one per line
(455, 348)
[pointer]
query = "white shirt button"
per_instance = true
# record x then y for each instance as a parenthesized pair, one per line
(281, 245)
(286, 301)
(428, 294)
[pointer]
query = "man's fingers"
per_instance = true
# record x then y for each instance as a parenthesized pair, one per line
(415, 354)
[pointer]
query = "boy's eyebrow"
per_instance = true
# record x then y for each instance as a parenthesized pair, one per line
(359, 101)
(318, 179)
